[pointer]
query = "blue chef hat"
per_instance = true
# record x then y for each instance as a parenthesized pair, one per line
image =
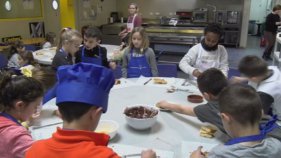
(84, 83)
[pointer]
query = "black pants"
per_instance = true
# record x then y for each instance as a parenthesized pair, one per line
(270, 39)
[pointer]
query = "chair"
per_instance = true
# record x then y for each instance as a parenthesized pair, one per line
(117, 72)
(3, 61)
(233, 72)
(167, 70)
(30, 47)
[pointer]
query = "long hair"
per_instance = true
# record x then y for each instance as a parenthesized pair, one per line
(67, 35)
(145, 40)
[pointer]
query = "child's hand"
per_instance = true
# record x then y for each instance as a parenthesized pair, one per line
(112, 65)
(196, 73)
(148, 154)
(162, 104)
(197, 153)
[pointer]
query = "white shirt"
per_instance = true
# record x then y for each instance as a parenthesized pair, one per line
(190, 61)
(272, 86)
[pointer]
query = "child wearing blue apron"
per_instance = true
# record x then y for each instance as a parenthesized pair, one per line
(91, 51)
(69, 43)
(241, 112)
(138, 58)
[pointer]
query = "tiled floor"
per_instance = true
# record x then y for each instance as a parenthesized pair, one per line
(234, 54)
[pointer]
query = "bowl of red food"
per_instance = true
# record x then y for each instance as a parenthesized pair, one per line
(195, 98)
(141, 116)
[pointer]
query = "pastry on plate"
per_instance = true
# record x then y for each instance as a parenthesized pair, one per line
(159, 81)
(207, 131)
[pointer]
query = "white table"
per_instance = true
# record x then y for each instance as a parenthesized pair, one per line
(167, 134)
(45, 56)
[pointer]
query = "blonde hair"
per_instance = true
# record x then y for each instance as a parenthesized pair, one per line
(68, 35)
(145, 40)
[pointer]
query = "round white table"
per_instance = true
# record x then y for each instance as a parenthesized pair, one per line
(45, 56)
(172, 132)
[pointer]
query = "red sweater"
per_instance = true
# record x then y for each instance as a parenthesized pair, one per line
(14, 139)
(72, 144)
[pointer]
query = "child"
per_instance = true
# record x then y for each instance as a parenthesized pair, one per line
(69, 43)
(50, 40)
(92, 52)
(138, 58)
(211, 82)
(206, 54)
(82, 97)
(241, 111)
(20, 97)
(16, 49)
(47, 77)
(26, 59)
(267, 82)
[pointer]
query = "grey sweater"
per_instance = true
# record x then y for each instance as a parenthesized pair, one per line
(150, 57)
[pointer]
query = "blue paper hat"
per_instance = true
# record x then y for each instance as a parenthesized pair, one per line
(84, 83)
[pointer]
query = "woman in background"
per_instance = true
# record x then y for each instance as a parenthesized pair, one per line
(134, 20)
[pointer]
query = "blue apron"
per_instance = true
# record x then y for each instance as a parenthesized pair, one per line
(138, 66)
(93, 60)
(10, 118)
(269, 126)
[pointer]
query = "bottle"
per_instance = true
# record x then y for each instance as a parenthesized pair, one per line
(122, 20)
(111, 20)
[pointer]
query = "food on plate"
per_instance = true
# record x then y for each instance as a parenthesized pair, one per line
(207, 131)
(159, 81)
(117, 82)
(40, 53)
(140, 112)
(205, 153)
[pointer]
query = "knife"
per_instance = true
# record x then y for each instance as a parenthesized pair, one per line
(147, 81)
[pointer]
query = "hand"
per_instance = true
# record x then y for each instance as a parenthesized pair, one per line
(196, 73)
(197, 153)
(112, 65)
(148, 154)
(162, 104)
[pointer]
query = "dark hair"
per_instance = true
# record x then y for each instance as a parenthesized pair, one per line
(252, 66)
(277, 7)
(71, 111)
(214, 28)
(21, 88)
(83, 29)
(45, 75)
(50, 37)
(93, 32)
(242, 102)
(14, 46)
(28, 56)
(212, 81)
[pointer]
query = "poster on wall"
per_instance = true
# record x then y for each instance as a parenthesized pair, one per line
(36, 29)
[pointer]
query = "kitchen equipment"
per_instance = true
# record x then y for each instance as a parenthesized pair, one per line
(115, 16)
(233, 17)
(220, 16)
(200, 15)
(184, 17)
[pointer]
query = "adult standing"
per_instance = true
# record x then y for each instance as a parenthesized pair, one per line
(134, 20)
(271, 23)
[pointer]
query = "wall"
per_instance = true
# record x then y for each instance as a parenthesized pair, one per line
(245, 23)
(259, 10)
(14, 27)
(96, 13)
(166, 7)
